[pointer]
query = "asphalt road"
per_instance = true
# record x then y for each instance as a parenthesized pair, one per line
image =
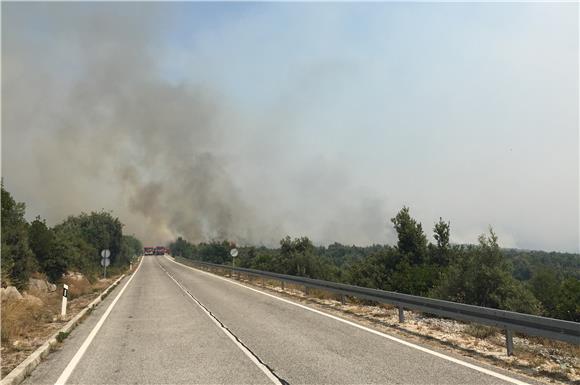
(176, 325)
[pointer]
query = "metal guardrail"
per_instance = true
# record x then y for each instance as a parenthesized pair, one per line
(532, 325)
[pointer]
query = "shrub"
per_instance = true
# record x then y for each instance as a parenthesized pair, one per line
(480, 331)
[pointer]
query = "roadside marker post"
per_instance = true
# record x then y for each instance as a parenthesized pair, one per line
(64, 299)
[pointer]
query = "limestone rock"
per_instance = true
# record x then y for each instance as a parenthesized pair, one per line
(11, 293)
(75, 275)
(38, 284)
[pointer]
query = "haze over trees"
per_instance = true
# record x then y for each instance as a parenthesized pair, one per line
(483, 274)
(72, 245)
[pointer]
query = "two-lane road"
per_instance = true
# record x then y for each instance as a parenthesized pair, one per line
(174, 324)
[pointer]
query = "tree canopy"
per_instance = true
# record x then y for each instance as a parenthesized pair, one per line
(481, 274)
(73, 244)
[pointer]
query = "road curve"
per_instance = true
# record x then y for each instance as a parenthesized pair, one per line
(177, 325)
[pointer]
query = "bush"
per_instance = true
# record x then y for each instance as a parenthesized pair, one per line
(480, 331)
(61, 336)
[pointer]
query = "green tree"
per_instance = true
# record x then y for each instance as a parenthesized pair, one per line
(413, 279)
(181, 248)
(17, 258)
(440, 253)
(213, 252)
(98, 229)
(51, 256)
(299, 257)
(130, 247)
(411, 239)
(375, 270)
(568, 306)
(545, 286)
(481, 276)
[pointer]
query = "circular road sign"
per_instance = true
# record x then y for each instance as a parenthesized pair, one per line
(105, 262)
(105, 253)
(234, 252)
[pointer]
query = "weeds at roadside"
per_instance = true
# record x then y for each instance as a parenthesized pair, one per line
(480, 331)
(61, 336)
(27, 323)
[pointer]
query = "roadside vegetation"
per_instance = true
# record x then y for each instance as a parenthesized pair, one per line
(533, 282)
(37, 260)
(72, 245)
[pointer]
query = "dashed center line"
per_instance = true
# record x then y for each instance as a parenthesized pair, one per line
(269, 372)
(370, 330)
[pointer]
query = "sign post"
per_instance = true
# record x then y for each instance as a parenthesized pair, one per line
(234, 254)
(64, 298)
(105, 261)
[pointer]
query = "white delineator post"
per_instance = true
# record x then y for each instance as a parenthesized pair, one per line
(64, 298)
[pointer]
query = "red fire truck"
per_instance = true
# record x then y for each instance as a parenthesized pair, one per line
(160, 250)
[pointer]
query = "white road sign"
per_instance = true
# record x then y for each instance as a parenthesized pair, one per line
(105, 262)
(234, 252)
(105, 253)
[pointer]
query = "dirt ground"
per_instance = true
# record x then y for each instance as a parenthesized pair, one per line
(29, 322)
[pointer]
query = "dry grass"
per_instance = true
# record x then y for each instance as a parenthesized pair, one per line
(78, 287)
(20, 318)
(480, 331)
(27, 324)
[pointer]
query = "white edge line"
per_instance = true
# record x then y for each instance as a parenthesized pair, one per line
(26, 367)
(80, 353)
(260, 365)
(403, 342)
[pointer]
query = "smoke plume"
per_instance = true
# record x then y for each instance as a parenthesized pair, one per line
(91, 122)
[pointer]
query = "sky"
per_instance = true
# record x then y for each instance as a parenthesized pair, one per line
(252, 121)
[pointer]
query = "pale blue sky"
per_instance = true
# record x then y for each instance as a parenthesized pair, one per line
(334, 115)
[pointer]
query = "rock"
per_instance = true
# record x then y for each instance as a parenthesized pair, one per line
(11, 293)
(51, 287)
(32, 299)
(38, 284)
(75, 275)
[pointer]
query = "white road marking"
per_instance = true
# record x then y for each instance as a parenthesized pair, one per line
(403, 342)
(80, 353)
(244, 349)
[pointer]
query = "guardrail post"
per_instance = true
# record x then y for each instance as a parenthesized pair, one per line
(282, 284)
(509, 341)
(401, 314)
(342, 299)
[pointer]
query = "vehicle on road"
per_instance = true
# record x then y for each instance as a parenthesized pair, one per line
(161, 250)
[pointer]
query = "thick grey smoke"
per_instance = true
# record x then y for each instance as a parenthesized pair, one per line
(255, 121)
(89, 122)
